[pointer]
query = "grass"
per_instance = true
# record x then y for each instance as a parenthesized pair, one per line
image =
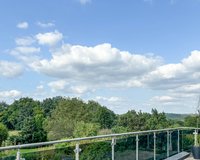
(13, 133)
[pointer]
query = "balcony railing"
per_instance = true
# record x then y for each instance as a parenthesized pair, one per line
(142, 145)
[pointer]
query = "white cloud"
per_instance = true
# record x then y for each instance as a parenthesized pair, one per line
(45, 25)
(168, 71)
(171, 76)
(40, 88)
(24, 41)
(179, 81)
(79, 89)
(195, 88)
(26, 54)
(10, 94)
(49, 38)
(25, 50)
(57, 85)
(113, 102)
(64, 86)
(163, 99)
(10, 69)
(96, 66)
(23, 25)
(193, 61)
(108, 99)
(84, 1)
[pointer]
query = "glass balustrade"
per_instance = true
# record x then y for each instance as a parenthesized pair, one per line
(125, 148)
(145, 145)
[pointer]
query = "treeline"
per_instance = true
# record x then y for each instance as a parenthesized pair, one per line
(59, 117)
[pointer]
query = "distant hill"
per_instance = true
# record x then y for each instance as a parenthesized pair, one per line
(175, 116)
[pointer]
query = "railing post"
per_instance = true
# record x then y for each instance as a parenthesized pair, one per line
(195, 137)
(182, 140)
(77, 150)
(167, 143)
(18, 155)
(137, 147)
(170, 140)
(113, 148)
(178, 142)
(154, 145)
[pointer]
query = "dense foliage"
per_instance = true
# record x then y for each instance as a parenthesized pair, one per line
(60, 117)
(3, 133)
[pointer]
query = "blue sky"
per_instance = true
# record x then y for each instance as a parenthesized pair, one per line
(133, 54)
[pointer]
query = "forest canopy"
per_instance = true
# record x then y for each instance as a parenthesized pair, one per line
(60, 117)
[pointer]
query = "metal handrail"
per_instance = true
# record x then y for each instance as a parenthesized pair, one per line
(91, 138)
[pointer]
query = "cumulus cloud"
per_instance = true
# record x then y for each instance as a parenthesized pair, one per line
(180, 81)
(24, 41)
(163, 99)
(108, 99)
(25, 50)
(101, 64)
(10, 94)
(10, 69)
(171, 76)
(26, 54)
(79, 69)
(101, 60)
(189, 89)
(23, 25)
(58, 85)
(40, 87)
(112, 102)
(49, 38)
(193, 61)
(64, 86)
(45, 25)
(79, 89)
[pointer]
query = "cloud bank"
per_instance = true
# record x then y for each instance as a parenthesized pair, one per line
(81, 69)
(23, 25)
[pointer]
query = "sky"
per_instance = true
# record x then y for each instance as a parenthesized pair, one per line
(133, 54)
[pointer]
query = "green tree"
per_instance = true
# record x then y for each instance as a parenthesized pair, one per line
(68, 112)
(157, 120)
(3, 106)
(3, 133)
(119, 129)
(63, 118)
(83, 129)
(99, 114)
(105, 117)
(33, 131)
(190, 121)
(13, 117)
(132, 120)
(49, 104)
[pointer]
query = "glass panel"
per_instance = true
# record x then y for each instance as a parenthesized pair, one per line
(53, 152)
(187, 139)
(98, 149)
(173, 143)
(161, 145)
(125, 148)
(8, 155)
(146, 145)
(101, 150)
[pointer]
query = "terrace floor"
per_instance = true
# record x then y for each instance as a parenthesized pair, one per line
(189, 158)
